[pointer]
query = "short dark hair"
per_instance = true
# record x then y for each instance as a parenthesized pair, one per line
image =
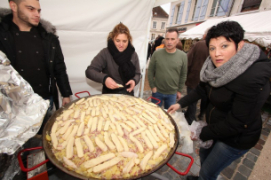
(16, 1)
(229, 29)
(173, 29)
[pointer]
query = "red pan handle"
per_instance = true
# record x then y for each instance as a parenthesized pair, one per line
(76, 94)
(21, 162)
(188, 167)
(154, 99)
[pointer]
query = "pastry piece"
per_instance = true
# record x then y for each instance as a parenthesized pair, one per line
(74, 131)
(129, 166)
(106, 126)
(100, 144)
(89, 143)
(108, 142)
(124, 143)
(159, 151)
(138, 144)
(69, 148)
(79, 148)
(147, 141)
(69, 162)
(106, 165)
(145, 160)
(116, 142)
(67, 114)
(128, 154)
(80, 130)
(171, 140)
(67, 133)
(80, 101)
(157, 130)
(120, 85)
(152, 140)
(98, 160)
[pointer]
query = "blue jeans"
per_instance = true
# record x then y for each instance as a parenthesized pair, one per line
(216, 158)
(168, 99)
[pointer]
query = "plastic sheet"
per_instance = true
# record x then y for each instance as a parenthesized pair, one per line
(195, 129)
(21, 110)
(184, 131)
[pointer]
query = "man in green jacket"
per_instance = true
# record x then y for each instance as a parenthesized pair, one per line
(167, 71)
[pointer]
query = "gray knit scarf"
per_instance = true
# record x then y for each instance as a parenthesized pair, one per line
(238, 64)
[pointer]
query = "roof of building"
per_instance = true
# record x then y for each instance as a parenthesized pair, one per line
(159, 12)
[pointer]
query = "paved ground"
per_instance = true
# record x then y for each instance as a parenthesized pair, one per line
(254, 165)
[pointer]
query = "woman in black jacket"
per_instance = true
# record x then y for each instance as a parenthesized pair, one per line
(235, 78)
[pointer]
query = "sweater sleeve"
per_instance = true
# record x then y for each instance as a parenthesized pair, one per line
(183, 73)
(94, 70)
(151, 71)
(137, 66)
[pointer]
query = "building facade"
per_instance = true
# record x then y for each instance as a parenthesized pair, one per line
(158, 23)
(186, 14)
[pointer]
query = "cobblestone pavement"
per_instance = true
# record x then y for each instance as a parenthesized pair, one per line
(240, 169)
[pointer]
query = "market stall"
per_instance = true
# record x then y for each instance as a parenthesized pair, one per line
(256, 25)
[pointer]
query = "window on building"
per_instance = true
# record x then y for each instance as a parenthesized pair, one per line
(163, 25)
(152, 36)
(154, 24)
(249, 5)
(171, 15)
(188, 10)
(180, 13)
(220, 7)
(178, 10)
(200, 10)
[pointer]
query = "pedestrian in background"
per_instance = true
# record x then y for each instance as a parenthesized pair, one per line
(196, 57)
(180, 45)
(157, 42)
(167, 71)
(149, 51)
(162, 45)
(235, 77)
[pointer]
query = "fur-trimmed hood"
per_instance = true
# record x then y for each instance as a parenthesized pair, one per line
(46, 25)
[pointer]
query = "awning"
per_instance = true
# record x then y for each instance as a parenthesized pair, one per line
(257, 27)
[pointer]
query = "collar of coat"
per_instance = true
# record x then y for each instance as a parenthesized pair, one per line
(44, 26)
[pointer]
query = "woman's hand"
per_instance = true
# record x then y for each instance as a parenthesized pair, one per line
(179, 95)
(173, 108)
(66, 100)
(192, 136)
(110, 83)
(132, 85)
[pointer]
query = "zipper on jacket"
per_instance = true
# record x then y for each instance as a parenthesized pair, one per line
(213, 107)
(210, 115)
(210, 92)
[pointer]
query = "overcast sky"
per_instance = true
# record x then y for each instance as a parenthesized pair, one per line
(166, 7)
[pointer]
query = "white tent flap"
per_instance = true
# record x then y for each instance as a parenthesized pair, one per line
(83, 27)
(256, 25)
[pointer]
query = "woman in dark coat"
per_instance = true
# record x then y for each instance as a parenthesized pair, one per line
(117, 65)
(235, 77)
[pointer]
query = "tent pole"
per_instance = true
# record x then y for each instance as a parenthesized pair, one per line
(146, 51)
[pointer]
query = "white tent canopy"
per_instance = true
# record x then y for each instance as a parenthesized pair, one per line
(83, 27)
(257, 27)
